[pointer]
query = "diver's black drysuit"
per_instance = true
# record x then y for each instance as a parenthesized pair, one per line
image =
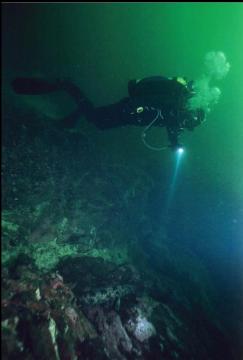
(155, 101)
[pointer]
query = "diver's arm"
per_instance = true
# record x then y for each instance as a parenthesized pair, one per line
(173, 135)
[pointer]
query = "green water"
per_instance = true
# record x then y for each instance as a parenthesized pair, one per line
(102, 46)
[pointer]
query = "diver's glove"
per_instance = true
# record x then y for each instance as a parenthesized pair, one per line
(175, 147)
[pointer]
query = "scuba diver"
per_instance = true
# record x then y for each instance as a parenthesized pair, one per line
(153, 101)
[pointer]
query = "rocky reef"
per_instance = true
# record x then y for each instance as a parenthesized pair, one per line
(85, 273)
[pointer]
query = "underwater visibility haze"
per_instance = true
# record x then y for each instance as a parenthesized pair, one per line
(122, 219)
